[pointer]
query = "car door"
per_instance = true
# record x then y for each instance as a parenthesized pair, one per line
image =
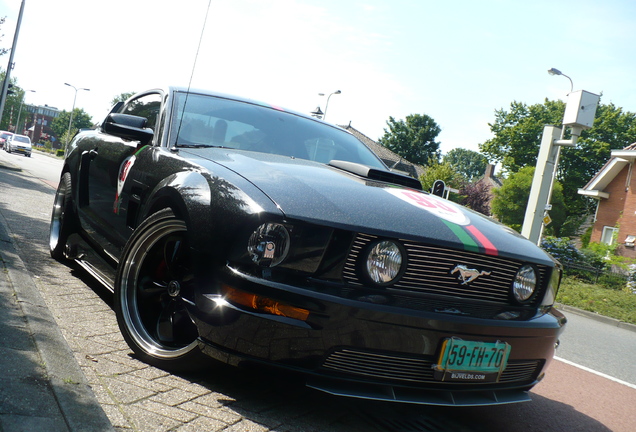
(105, 166)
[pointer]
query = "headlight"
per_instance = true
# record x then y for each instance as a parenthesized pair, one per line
(269, 244)
(525, 283)
(553, 288)
(384, 262)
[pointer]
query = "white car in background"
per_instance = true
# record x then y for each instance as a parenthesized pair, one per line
(19, 144)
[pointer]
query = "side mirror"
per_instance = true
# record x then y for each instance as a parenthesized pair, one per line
(128, 127)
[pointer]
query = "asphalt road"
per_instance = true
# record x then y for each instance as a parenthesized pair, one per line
(141, 398)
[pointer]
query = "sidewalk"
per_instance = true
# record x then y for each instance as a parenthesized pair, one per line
(41, 385)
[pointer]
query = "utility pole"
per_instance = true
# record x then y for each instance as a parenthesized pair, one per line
(7, 75)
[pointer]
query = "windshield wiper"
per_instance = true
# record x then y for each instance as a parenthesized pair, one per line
(199, 146)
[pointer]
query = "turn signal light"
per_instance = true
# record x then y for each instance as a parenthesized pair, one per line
(264, 304)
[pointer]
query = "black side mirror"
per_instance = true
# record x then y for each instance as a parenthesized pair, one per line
(128, 127)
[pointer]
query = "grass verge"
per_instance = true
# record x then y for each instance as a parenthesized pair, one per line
(618, 304)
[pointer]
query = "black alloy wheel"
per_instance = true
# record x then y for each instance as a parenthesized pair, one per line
(63, 221)
(153, 291)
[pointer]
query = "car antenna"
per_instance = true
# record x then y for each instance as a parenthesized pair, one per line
(194, 65)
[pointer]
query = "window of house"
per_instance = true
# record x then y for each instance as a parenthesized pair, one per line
(608, 235)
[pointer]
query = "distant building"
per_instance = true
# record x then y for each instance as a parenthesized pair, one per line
(39, 124)
(392, 160)
(614, 186)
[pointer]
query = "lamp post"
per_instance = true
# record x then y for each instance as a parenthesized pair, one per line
(324, 116)
(17, 123)
(554, 71)
(70, 122)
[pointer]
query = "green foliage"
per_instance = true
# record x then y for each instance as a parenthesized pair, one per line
(511, 199)
(562, 249)
(59, 153)
(413, 139)
(3, 51)
(12, 105)
(122, 97)
(518, 134)
(619, 304)
(81, 119)
(441, 171)
(468, 163)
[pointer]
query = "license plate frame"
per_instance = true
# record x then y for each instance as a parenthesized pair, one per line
(471, 361)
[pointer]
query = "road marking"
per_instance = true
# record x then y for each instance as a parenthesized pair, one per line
(601, 374)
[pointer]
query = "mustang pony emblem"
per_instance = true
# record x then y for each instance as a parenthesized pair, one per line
(467, 275)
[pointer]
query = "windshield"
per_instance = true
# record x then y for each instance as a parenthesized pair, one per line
(22, 138)
(209, 121)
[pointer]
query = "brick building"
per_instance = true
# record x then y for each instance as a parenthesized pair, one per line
(39, 124)
(614, 186)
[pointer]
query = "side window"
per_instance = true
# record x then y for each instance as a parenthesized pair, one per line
(147, 106)
(608, 235)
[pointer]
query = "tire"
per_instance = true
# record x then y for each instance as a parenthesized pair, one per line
(63, 220)
(154, 284)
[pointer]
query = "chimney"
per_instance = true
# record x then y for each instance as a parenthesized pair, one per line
(490, 171)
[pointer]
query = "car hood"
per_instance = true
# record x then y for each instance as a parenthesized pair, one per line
(331, 196)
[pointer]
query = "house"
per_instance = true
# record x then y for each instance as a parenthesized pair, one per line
(614, 186)
(392, 160)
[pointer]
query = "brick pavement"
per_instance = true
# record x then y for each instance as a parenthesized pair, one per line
(135, 396)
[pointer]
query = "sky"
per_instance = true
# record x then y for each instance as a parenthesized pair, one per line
(456, 61)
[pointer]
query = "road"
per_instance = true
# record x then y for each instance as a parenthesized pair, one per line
(139, 397)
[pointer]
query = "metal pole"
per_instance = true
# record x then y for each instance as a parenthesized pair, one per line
(7, 76)
(541, 184)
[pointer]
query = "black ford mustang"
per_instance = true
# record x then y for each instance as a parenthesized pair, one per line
(254, 235)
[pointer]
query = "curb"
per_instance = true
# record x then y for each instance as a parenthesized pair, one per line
(77, 403)
(597, 317)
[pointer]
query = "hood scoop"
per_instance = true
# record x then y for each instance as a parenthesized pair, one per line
(376, 174)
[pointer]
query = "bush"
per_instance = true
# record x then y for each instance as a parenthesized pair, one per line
(562, 249)
(59, 153)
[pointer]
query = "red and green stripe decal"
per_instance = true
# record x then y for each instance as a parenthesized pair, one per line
(473, 239)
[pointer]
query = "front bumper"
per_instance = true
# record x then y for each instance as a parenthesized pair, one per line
(352, 348)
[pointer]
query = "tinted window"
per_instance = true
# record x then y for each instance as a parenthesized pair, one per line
(212, 121)
(147, 106)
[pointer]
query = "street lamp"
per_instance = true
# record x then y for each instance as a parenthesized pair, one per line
(324, 116)
(17, 123)
(553, 71)
(70, 122)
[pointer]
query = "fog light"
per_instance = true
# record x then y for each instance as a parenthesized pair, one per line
(384, 262)
(525, 283)
(269, 244)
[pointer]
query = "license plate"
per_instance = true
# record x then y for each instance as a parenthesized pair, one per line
(471, 361)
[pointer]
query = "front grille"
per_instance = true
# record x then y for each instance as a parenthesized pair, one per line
(412, 370)
(428, 271)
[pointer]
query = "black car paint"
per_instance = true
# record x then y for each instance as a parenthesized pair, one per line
(223, 195)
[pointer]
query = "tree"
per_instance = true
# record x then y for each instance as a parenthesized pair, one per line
(122, 97)
(3, 51)
(12, 104)
(413, 139)
(518, 136)
(442, 171)
(476, 196)
(468, 163)
(510, 201)
(81, 120)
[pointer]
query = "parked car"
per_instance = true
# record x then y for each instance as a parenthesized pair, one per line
(4, 137)
(258, 236)
(19, 144)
